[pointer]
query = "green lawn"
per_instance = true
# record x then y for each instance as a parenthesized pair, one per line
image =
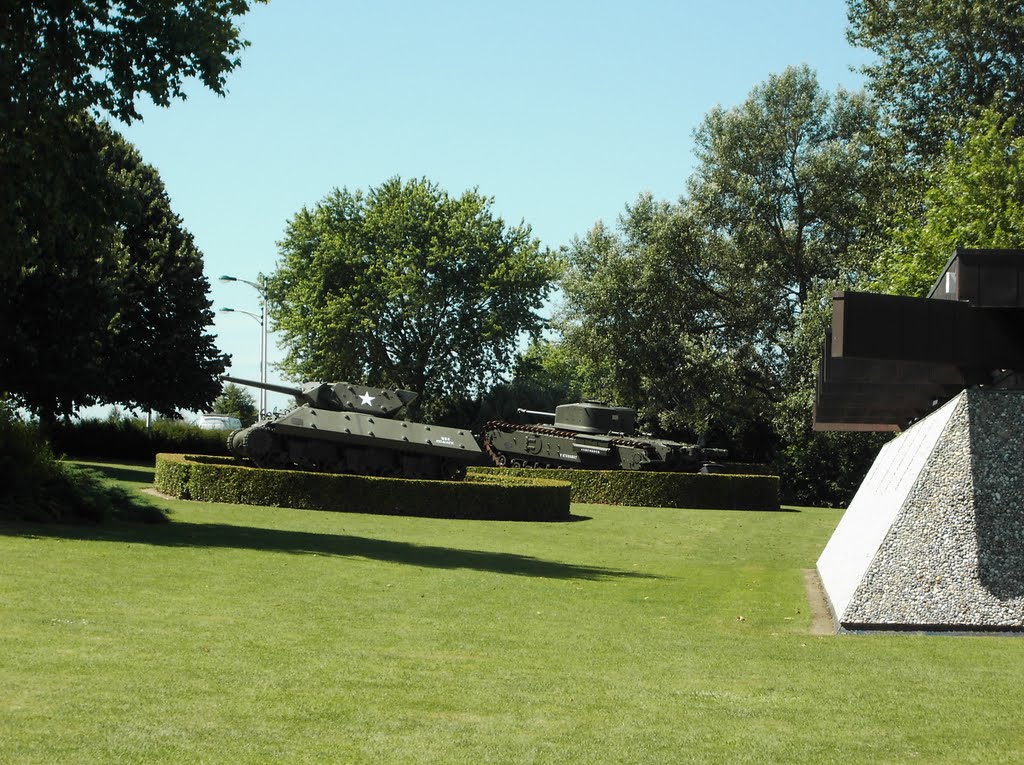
(238, 634)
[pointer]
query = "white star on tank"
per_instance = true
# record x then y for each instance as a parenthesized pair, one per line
(366, 399)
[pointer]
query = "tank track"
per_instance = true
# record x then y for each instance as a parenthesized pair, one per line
(542, 430)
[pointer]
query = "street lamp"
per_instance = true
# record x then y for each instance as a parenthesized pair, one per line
(260, 287)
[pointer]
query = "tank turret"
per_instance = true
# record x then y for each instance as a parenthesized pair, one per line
(590, 417)
(340, 396)
(342, 427)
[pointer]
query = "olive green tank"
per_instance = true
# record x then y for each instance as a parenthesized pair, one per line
(340, 427)
(592, 435)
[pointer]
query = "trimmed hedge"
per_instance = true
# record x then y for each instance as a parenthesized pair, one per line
(484, 497)
(642, 488)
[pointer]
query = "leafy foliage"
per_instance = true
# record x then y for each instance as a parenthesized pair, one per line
(693, 312)
(60, 60)
(128, 438)
(975, 198)
(238, 402)
(38, 487)
(78, 55)
(104, 298)
(98, 275)
(791, 179)
(114, 292)
(543, 376)
(406, 286)
(652, 322)
(940, 62)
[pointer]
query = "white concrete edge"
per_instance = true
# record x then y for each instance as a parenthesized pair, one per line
(883, 493)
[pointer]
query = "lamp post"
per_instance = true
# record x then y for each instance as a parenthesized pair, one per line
(260, 287)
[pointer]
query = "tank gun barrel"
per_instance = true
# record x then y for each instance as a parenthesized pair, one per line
(288, 390)
(535, 413)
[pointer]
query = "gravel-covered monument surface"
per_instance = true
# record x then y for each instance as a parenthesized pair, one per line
(934, 539)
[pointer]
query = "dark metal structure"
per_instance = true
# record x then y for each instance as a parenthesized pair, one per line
(889, 360)
(591, 435)
(343, 428)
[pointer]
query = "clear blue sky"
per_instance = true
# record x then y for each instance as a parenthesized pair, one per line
(562, 111)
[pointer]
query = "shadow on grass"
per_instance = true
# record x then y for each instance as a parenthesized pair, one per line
(213, 535)
(119, 471)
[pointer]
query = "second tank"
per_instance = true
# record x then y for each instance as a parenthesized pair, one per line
(592, 435)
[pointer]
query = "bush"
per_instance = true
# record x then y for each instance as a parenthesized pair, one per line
(640, 488)
(129, 439)
(38, 487)
(490, 497)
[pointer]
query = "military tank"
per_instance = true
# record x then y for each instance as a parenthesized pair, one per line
(339, 427)
(592, 435)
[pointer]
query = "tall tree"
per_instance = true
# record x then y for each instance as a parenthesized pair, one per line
(60, 60)
(406, 286)
(655, 320)
(119, 317)
(72, 229)
(790, 179)
(698, 313)
(940, 62)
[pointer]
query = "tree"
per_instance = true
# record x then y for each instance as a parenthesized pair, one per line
(789, 177)
(707, 315)
(940, 62)
(690, 312)
(653, 322)
(543, 376)
(800, 183)
(73, 256)
(406, 286)
(77, 55)
(238, 402)
(974, 198)
(60, 60)
(120, 316)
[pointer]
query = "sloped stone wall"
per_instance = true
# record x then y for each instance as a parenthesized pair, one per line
(951, 555)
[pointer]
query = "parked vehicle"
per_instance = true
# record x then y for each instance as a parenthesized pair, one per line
(592, 435)
(340, 427)
(214, 421)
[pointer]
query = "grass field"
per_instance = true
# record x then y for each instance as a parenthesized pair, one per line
(238, 634)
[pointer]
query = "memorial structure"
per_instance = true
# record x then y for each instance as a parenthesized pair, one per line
(934, 538)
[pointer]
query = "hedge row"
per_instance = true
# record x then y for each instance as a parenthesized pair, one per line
(129, 438)
(486, 497)
(640, 488)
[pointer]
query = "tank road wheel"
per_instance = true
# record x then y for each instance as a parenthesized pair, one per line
(266, 449)
(231, 443)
